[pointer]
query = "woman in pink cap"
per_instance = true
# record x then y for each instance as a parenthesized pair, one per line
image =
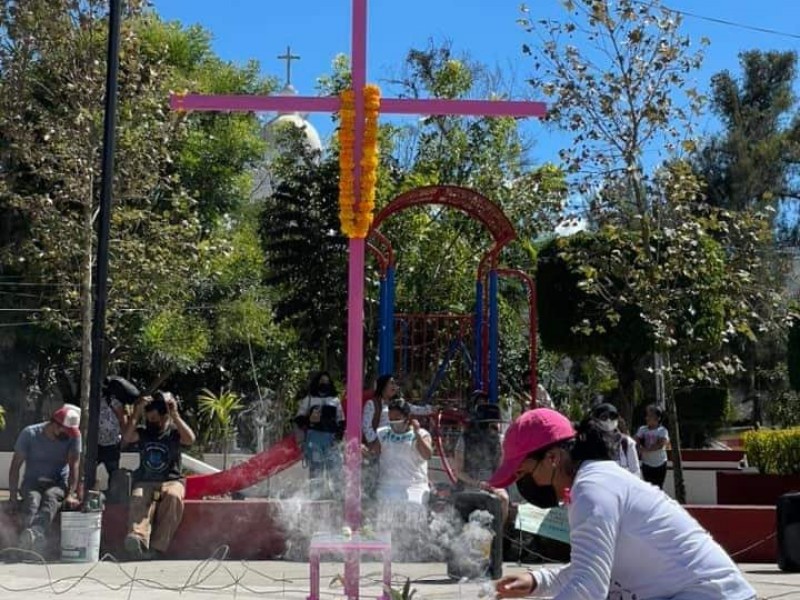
(629, 540)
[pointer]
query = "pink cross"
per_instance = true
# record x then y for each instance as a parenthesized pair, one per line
(355, 313)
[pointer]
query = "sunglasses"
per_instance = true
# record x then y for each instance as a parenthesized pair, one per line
(609, 416)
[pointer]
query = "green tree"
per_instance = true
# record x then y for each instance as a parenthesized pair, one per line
(617, 75)
(576, 322)
(306, 253)
(752, 164)
(167, 208)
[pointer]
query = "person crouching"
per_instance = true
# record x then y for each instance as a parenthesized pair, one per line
(156, 506)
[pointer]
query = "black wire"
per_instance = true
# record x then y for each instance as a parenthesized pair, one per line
(726, 22)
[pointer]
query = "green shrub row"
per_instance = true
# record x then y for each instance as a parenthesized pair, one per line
(774, 452)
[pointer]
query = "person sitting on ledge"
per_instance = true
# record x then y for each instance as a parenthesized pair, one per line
(156, 505)
(50, 452)
(478, 452)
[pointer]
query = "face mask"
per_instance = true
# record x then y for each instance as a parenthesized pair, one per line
(543, 496)
(325, 389)
(608, 425)
(398, 426)
(153, 427)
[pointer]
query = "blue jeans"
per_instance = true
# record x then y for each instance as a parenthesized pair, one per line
(40, 505)
(324, 459)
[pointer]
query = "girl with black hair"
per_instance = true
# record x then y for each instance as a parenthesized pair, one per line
(628, 539)
(608, 418)
(320, 425)
(652, 440)
(376, 410)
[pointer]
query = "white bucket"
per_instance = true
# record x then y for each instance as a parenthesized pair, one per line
(80, 536)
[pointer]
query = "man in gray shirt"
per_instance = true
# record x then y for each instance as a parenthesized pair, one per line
(50, 452)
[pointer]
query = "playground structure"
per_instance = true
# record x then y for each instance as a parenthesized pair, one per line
(421, 336)
(425, 340)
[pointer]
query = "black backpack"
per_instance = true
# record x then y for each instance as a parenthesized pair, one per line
(120, 388)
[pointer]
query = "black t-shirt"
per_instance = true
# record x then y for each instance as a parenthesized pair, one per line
(159, 455)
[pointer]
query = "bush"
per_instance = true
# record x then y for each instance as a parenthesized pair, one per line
(702, 411)
(774, 452)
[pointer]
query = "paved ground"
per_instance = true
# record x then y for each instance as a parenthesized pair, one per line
(240, 580)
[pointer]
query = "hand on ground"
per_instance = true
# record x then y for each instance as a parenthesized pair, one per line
(515, 586)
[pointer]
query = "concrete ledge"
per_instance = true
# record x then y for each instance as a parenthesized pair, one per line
(254, 529)
(251, 529)
(741, 530)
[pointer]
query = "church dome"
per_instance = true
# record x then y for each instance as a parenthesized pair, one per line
(292, 119)
(271, 131)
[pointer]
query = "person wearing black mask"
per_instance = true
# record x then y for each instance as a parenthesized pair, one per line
(482, 437)
(628, 539)
(320, 425)
(156, 505)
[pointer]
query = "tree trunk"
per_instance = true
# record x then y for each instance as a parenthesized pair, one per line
(86, 311)
(626, 376)
(675, 437)
(751, 393)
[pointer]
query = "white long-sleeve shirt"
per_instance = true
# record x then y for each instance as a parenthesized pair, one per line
(628, 458)
(370, 433)
(631, 541)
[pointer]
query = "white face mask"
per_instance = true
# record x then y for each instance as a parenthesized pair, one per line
(398, 426)
(609, 425)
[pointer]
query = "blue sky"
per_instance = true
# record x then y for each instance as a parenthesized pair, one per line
(317, 30)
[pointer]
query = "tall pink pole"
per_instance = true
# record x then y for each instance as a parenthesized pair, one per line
(355, 312)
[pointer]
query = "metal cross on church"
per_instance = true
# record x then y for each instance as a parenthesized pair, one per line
(288, 57)
(357, 246)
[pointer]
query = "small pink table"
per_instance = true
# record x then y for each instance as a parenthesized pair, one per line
(352, 547)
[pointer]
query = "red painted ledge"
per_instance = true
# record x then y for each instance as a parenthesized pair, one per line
(747, 533)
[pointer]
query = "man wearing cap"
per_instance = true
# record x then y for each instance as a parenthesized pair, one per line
(628, 539)
(50, 452)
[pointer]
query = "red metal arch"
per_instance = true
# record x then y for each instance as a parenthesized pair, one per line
(468, 201)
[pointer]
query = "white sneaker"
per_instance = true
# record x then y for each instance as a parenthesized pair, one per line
(27, 539)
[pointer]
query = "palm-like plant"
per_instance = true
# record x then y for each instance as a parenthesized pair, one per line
(406, 593)
(218, 417)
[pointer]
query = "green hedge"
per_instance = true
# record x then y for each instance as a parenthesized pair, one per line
(774, 452)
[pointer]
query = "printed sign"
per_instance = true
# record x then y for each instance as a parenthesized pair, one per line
(548, 522)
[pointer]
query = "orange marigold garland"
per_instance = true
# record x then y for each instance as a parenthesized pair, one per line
(347, 138)
(356, 219)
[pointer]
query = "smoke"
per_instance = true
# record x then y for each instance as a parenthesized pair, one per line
(440, 536)
(8, 532)
(301, 516)
(471, 552)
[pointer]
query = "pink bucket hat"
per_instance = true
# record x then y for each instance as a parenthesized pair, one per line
(532, 431)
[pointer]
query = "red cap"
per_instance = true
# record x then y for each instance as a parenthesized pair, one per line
(69, 417)
(532, 431)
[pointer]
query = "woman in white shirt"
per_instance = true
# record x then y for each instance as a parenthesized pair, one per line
(628, 539)
(608, 418)
(406, 449)
(403, 488)
(374, 416)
